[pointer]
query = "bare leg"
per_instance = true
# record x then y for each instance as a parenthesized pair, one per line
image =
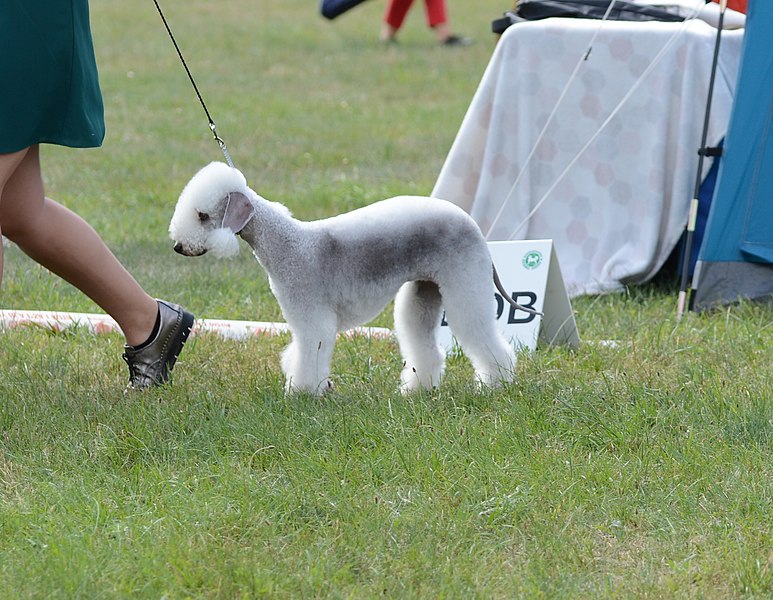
(388, 32)
(8, 164)
(65, 244)
(442, 31)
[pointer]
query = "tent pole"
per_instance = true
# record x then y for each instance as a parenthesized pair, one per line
(690, 227)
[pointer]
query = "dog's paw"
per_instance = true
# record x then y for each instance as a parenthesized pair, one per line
(413, 381)
(323, 388)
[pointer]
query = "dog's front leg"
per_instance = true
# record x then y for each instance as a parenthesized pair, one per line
(306, 362)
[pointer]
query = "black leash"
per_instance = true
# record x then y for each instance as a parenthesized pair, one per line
(212, 128)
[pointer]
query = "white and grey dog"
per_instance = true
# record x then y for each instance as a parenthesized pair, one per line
(337, 273)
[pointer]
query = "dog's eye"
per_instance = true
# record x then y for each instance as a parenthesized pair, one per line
(203, 217)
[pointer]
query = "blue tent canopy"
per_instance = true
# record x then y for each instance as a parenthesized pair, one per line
(736, 256)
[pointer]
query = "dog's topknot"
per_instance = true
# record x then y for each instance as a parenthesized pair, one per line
(212, 183)
(204, 195)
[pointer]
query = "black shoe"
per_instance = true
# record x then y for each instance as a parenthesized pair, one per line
(456, 40)
(151, 364)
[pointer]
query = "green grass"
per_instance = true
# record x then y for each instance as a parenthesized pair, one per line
(636, 470)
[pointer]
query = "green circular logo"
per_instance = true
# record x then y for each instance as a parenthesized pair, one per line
(532, 259)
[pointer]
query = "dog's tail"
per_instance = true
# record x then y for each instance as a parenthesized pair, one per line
(506, 296)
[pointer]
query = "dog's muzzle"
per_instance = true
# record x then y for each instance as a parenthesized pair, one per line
(178, 247)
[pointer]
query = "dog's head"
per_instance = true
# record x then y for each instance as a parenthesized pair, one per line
(213, 207)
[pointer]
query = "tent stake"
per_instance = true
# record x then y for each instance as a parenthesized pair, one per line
(683, 299)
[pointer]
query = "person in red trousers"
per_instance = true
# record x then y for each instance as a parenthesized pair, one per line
(437, 19)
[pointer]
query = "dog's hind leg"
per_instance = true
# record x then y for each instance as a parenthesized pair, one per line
(417, 319)
(471, 318)
(306, 361)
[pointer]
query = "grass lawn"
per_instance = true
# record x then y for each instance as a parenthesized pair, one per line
(640, 469)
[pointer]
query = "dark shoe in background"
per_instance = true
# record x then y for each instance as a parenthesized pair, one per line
(456, 40)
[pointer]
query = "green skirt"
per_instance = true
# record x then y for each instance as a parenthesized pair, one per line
(49, 87)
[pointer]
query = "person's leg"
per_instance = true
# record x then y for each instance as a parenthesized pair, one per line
(8, 164)
(394, 17)
(61, 241)
(437, 15)
(437, 19)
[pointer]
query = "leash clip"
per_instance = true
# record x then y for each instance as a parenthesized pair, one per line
(221, 142)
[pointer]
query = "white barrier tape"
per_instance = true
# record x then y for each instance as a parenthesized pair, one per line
(96, 323)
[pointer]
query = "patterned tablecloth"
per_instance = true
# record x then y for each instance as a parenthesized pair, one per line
(614, 171)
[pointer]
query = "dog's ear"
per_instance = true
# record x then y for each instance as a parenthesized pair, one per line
(238, 212)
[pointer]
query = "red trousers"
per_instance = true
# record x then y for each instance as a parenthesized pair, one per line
(397, 9)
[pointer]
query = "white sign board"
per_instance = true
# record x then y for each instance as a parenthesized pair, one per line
(529, 271)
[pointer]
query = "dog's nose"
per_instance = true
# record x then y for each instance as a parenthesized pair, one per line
(178, 247)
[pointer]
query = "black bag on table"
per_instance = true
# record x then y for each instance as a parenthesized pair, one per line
(534, 10)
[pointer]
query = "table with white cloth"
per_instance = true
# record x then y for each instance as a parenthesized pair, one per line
(605, 159)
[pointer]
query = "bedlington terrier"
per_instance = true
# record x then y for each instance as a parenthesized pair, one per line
(337, 273)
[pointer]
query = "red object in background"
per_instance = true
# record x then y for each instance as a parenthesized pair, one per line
(739, 5)
(397, 10)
